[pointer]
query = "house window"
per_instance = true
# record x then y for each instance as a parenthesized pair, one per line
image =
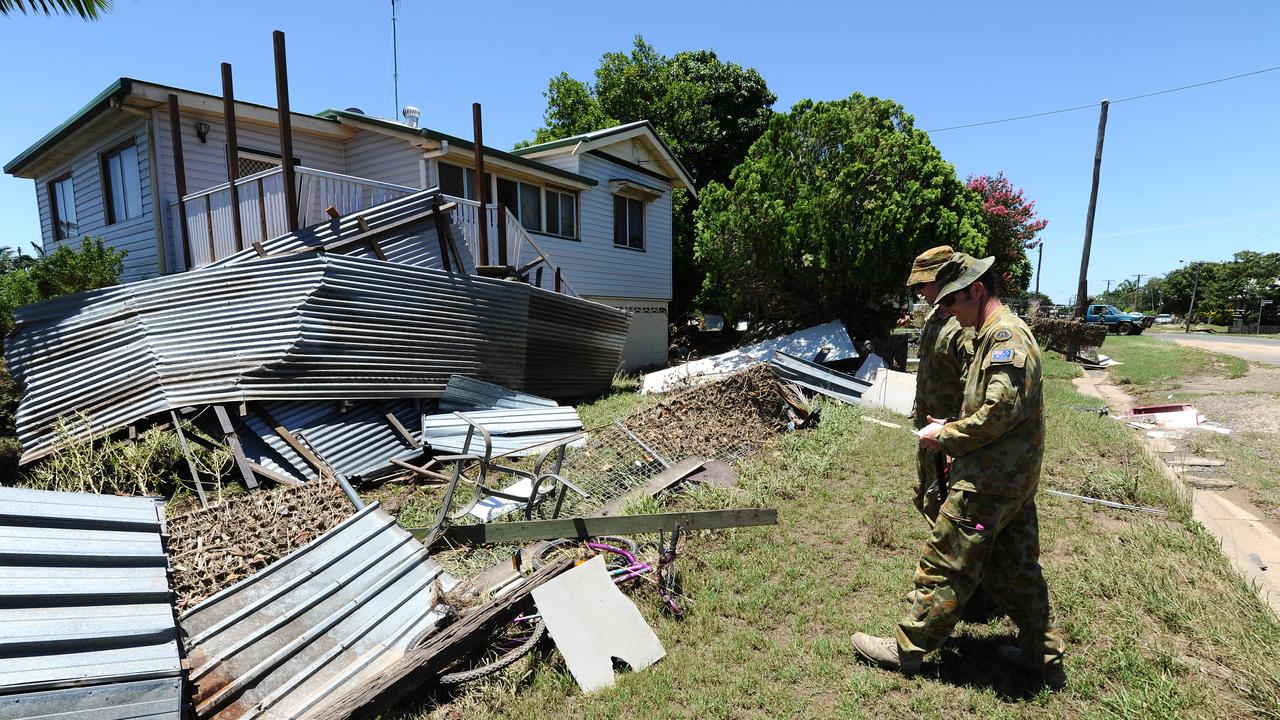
(121, 184)
(628, 222)
(562, 214)
(523, 200)
(62, 208)
(458, 181)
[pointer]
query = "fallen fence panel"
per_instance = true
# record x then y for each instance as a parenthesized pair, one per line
(588, 527)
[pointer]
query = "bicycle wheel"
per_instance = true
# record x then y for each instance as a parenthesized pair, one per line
(501, 661)
(554, 547)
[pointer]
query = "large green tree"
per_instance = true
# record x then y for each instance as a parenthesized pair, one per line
(708, 111)
(826, 213)
(1243, 282)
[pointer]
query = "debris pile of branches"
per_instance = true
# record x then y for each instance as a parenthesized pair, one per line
(213, 548)
(1069, 337)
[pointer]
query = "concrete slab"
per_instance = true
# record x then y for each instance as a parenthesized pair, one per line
(892, 390)
(592, 622)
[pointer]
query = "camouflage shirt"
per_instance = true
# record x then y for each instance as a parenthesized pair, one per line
(998, 442)
(945, 351)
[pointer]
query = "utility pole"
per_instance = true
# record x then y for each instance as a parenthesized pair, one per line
(1108, 282)
(1137, 303)
(1039, 262)
(1082, 289)
(1194, 288)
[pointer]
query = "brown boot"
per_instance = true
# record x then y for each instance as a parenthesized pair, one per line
(884, 652)
(1053, 673)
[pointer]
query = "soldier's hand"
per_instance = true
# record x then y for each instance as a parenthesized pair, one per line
(929, 435)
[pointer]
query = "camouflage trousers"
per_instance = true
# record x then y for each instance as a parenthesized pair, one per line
(926, 476)
(989, 540)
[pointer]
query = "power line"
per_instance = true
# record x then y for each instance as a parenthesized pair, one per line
(1093, 105)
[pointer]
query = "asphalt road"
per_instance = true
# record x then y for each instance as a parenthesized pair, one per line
(1263, 350)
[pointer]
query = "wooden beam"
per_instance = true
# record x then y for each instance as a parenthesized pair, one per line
(233, 153)
(442, 235)
(186, 452)
(405, 436)
(426, 662)
(233, 441)
(290, 439)
(659, 483)
(588, 527)
(480, 188)
(180, 174)
(286, 132)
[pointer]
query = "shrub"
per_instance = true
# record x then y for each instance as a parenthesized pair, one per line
(1068, 337)
(61, 272)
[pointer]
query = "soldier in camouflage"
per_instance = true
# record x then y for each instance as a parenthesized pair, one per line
(986, 531)
(945, 350)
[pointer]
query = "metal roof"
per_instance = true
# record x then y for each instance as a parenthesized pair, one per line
(85, 591)
(315, 624)
(832, 383)
(357, 440)
(310, 326)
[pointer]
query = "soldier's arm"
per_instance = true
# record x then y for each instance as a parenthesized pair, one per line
(1002, 408)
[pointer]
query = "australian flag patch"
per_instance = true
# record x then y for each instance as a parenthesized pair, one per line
(1003, 355)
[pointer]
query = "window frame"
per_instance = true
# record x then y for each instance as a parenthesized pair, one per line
(110, 212)
(55, 216)
(547, 192)
(627, 215)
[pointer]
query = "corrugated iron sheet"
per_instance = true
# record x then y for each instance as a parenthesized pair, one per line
(358, 441)
(315, 624)
(311, 326)
(85, 596)
(832, 383)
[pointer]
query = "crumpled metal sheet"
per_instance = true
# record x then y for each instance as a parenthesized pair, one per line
(316, 624)
(311, 326)
(87, 626)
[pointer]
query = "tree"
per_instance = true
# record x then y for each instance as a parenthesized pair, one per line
(61, 272)
(86, 9)
(708, 112)
(826, 214)
(1011, 225)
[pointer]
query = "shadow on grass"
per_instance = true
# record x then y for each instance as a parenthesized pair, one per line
(974, 662)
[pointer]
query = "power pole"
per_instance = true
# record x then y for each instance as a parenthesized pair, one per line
(1137, 303)
(1039, 262)
(1082, 288)
(1108, 282)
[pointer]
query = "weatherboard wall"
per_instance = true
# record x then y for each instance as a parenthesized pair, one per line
(136, 235)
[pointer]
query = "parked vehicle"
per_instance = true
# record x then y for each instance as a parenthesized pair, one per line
(1164, 319)
(1118, 321)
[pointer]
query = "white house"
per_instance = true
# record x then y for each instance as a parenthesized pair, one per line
(596, 207)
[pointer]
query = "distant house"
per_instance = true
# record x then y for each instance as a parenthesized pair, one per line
(597, 207)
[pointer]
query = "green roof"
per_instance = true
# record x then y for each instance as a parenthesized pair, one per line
(604, 133)
(459, 142)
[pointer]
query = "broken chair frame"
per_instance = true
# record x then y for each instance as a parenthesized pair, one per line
(542, 483)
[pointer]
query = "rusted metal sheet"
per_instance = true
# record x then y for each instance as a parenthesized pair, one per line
(315, 625)
(310, 326)
(87, 629)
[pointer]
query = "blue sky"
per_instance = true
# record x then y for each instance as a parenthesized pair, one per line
(1190, 175)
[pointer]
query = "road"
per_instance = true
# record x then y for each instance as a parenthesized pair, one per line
(1263, 350)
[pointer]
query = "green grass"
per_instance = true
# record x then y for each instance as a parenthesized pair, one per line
(1151, 365)
(1158, 625)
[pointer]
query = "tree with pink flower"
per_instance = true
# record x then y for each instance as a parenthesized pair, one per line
(1012, 229)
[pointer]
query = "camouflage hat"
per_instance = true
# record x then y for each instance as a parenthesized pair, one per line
(960, 272)
(925, 268)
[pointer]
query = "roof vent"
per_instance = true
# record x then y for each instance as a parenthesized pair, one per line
(355, 110)
(411, 115)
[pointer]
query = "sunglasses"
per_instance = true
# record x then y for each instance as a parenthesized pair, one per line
(950, 300)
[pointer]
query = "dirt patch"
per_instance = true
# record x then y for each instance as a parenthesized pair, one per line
(212, 549)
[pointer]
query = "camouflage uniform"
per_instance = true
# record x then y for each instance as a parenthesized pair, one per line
(945, 351)
(986, 530)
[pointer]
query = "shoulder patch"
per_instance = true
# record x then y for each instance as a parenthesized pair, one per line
(1002, 334)
(1003, 355)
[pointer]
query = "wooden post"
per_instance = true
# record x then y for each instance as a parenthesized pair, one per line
(442, 234)
(180, 173)
(557, 278)
(502, 234)
(1082, 288)
(480, 188)
(233, 172)
(286, 133)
